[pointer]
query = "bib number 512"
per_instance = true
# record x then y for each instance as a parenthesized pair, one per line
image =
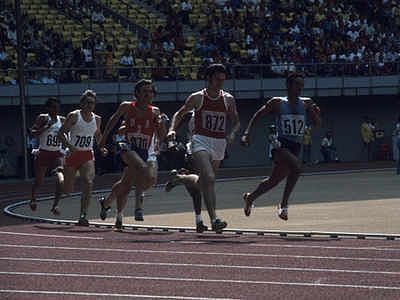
(293, 127)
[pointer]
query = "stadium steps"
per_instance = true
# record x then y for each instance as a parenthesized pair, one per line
(135, 13)
(113, 33)
(187, 31)
(50, 18)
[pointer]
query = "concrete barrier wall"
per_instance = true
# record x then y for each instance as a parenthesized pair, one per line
(342, 115)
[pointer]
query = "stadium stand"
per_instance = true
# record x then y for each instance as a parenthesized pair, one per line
(321, 38)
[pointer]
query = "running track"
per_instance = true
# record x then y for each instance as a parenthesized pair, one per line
(45, 261)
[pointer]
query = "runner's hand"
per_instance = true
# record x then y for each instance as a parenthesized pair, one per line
(71, 148)
(245, 140)
(103, 151)
(171, 136)
(230, 138)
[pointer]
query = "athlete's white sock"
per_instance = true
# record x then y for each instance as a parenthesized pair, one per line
(198, 218)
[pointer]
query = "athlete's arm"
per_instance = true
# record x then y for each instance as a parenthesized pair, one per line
(98, 136)
(160, 126)
(121, 111)
(269, 107)
(72, 118)
(191, 103)
(314, 112)
(122, 128)
(41, 124)
(234, 116)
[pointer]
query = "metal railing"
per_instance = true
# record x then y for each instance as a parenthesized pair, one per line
(118, 73)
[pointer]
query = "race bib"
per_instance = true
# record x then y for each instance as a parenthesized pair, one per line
(53, 141)
(83, 141)
(214, 121)
(139, 140)
(293, 125)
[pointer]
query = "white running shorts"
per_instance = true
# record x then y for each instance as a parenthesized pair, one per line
(215, 147)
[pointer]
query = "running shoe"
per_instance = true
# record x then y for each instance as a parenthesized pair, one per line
(200, 227)
(139, 216)
(283, 212)
(104, 210)
(55, 210)
(83, 221)
(248, 205)
(33, 205)
(218, 225)
(118, 224)
(172, 180)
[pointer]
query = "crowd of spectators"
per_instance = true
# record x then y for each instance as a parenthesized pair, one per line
(289, 33)
(323, 37)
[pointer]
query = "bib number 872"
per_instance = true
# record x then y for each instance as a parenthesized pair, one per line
(215, 122)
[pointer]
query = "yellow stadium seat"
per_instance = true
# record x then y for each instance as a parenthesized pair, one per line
(151, 62)
(193, 75)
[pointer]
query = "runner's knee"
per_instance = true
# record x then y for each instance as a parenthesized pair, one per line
(88, 181)
(208, 178)
(296, 170)
(38, 181)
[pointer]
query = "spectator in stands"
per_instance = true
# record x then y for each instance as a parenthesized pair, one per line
(12, 34)
(109, 57)
(328, 150)
(144, 48)
(156, 38)
(47, 78)
(396, 145)
(168, 45)
(367, 136)
(307, 142)
(127, 64)
(97, 15)
(186, 9)
(87, 52)
(272, 136)
(4, 60)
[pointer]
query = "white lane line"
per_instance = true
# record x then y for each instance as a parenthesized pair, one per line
(88, 294)
(216, 266)
(324, 247)
(158, 278)
(171, 252)
(53, 236)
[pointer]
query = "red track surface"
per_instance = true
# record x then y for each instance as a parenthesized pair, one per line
(93, 263)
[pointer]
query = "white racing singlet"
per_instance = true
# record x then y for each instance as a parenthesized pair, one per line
(82, 133)
(48, 140)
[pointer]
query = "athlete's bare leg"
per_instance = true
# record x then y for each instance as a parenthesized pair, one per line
(40, 172)
(87, 172)
(206, 168)
(280, 171)
(69, 179)
(143, 182)
(121, 188)
(291, 180)
(191, 183)
(57, 196)
(195, 193)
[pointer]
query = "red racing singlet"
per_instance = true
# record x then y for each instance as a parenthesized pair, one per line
(210, 118)
(140, 128)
